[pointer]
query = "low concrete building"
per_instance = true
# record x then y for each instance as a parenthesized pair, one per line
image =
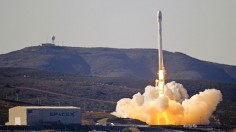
(48, 45)
(44, 115)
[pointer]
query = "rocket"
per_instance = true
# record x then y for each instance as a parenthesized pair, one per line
(161, 71)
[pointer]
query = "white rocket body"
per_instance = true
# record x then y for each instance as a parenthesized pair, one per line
(161, 72)
(159, 37)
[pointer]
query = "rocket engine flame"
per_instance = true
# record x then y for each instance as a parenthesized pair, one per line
(168, 104)
(161, 82)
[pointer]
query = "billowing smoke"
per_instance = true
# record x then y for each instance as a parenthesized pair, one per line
(173, 107)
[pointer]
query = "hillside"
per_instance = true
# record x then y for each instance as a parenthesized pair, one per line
(100, 94)
(109, 62)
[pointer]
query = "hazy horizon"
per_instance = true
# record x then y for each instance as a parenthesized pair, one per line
(201, 29)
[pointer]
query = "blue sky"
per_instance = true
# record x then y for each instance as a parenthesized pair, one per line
(204, 29)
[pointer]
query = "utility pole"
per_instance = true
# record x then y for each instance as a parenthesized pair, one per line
(17, 99)
(84, 106)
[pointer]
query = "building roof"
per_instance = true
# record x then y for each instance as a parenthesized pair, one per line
(46, 107)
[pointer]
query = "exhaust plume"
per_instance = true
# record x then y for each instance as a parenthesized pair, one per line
(171, 108)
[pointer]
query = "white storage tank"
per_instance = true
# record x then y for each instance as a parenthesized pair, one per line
(44, 115)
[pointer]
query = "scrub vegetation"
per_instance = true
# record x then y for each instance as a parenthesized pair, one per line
(22, 86)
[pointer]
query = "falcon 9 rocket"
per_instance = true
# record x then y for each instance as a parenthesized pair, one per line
(160, 84)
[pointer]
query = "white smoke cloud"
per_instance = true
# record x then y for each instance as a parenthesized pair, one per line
(176, 91)
(172, 108)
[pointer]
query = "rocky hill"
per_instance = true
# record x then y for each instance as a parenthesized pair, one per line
(110, 62)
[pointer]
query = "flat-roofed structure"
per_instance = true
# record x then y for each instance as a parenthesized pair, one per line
(44, 115)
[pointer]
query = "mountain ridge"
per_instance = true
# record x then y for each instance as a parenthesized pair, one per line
(113, 62)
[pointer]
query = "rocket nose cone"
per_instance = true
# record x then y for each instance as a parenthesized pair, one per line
(159, 16)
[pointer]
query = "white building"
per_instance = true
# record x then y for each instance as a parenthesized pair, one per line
(40, 115)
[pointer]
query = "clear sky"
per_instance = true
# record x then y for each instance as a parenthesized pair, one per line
(203, 29)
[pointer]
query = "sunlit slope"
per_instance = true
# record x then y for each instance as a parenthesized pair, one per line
(110, 62)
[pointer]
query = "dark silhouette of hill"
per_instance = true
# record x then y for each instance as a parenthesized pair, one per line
(110, 62)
